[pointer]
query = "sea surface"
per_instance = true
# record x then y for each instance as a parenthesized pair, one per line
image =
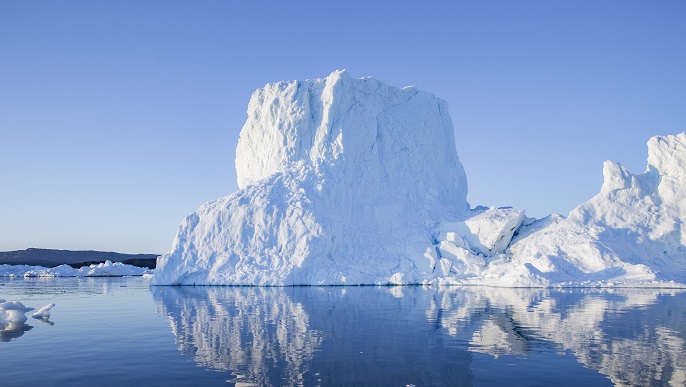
(121, 331)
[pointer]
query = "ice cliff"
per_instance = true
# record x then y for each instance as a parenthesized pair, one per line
(342, 181)
(353, 181)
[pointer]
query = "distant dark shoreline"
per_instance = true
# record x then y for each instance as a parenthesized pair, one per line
(73, 258)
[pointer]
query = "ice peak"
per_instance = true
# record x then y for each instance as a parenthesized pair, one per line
(338, 74)
(615, 176)
(667, 154)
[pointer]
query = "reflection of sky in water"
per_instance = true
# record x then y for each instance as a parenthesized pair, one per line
(119, 329)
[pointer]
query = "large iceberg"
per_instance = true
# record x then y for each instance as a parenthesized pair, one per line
(342, 181)
(352, 181)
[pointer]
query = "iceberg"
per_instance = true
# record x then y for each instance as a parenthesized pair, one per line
(629, 234)
(342, 181)
(347, 181)
(44, 312)
(106, 269)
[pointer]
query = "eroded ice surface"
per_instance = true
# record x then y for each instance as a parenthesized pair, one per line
(352, 181)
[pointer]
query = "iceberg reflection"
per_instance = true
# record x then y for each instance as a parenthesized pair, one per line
(427, 335)
(10, 330)
(257, 333)
(634, 336)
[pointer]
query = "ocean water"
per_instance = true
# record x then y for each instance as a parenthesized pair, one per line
(121, 331)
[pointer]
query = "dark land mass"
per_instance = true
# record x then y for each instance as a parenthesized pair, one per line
(75, 259)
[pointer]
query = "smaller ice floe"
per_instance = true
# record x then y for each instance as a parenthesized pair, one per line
(43, 313)
(13, 312)
(106, 269)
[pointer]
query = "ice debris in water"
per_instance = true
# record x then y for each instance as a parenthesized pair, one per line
(15, 312)
(44, 312)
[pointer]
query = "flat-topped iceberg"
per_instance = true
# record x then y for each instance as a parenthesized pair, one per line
(342, 181)
(352, 181)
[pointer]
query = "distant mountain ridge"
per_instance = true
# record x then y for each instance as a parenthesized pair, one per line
(74, 258)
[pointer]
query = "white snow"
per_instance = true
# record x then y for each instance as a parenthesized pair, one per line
(106, 269)
(351, 181)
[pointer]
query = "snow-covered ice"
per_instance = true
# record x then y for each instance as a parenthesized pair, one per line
(13, 318)
(629, 234)
(13, 312)
(44, 312)
(353, 181)
(106, 269)
(342, 182)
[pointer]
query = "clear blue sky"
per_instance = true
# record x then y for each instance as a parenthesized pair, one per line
(118, 118)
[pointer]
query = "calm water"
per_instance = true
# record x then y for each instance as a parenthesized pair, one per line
(120, 331)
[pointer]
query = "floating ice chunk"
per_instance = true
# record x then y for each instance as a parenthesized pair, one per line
(44, 312)
(13, 318)
(13, 312)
